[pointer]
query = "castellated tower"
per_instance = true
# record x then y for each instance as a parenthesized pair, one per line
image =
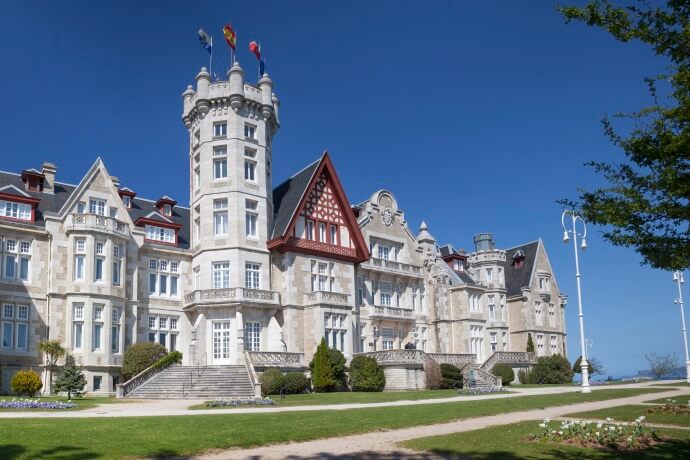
(231, 124)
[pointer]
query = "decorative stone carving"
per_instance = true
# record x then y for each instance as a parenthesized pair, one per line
(387, 216)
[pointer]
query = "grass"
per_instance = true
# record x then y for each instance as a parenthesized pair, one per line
(544, 385)
(681, 384)
(187, 435)
(509, 442)
(81, 403)
(679, 399)
(317, 399)
(631, 412)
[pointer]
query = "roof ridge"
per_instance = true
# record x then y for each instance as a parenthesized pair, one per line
(154, 201)
(18, 174)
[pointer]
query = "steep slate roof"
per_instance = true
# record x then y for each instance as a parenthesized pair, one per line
(517, 278)
(49, 203)
(287, 196)
(142, 208)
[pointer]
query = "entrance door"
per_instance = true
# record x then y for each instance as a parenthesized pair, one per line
(221, 342)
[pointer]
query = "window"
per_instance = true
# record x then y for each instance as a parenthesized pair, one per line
(98, 269)
(15, 326)
(115, 330)
(387, 334)
(553, 341)
(97, 333)
(221, 275)
(15, 256)
(127, 201)
(79, 260)
(249, 131)
(477, 342)
(21, 211)
(386, 289)
(252, 275)
(310, 229)
(544, 284)
(552, 315)
(250, 170)
(220, 151)
(98, 312)
(494, 343)
(220, 129)
(538, 314)
(474, 302)
(252, 336)
(166, 235)
(489, 275)
(250, 222)
(77, 325)
(197, 278)
(220, 168)
(383, 252)
(322, 232)
(117, 265)
(334, 234)
(492, 312)
(162, 280)
(540, 345)
(220, 216)
(160, 333)
(197, 178)
(97, 207)
(457, 265)
(97, 382)
(335, 330)
(322, 276)
(360, 291)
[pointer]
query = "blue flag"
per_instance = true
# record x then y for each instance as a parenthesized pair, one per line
(206, 40)
(262, 67)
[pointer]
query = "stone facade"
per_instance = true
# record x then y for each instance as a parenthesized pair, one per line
(249, 267)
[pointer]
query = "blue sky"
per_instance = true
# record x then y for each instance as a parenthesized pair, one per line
(477, 115)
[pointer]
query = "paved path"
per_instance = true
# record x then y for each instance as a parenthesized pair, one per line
(384, 444)
(172, 407)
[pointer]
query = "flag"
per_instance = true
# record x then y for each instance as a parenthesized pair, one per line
(262, 67)
(206, 40)
(255, 48)
(230, 36)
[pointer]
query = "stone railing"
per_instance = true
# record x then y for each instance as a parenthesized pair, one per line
(256, 383)
(123, 389)
(399, 267)
(279, 359)
(458, 360)
(325, 297)
(392, 312)
(509, 357)
(481, 374)
(235, 295)
(393, 357)
(98, 223)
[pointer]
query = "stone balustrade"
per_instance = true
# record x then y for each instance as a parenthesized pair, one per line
(279, 359)
(95, 222)
(397, 357)
(391, 312)
(325, 297)
(393, 266)
(510, 358)
(458, 360)
(231, 295)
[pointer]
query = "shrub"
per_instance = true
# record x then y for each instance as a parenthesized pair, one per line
(272, 380)
(140, 356)
(530, 343)
(452, 377)
(69, 378)
(322, 375)
(526, 376)
(337, 360)
(174, 357)
(505, 372)
(26, 383)
(296, 382)
(552, 369)
(366, 374)
(434, 379)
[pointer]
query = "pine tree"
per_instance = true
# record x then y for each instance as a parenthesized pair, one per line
(530, 343)
(69, 378)
(322, 379)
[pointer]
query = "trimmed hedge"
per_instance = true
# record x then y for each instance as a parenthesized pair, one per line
(434, 379)
(26, 382)
(505, 372)
(295, 382)
(451, 376)
(366, 374)
(272, 380)
(140, 356)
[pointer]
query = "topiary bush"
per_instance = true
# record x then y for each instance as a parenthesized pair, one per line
(526, 376)
(26, 382)
(322, 375)
(505, 372)
(272, 380)
(452, 376)
(366, 374)
(296, 382)
(338, 368)
(530, 343)
(140, 356)
(434, 379)
(552, 370)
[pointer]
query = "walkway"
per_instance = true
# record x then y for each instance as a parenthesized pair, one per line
(384, 444)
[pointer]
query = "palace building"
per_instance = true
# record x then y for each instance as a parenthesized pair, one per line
(248, 267)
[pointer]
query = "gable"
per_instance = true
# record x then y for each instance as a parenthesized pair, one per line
(321, 220)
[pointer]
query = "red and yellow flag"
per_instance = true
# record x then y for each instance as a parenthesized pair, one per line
(230, 36)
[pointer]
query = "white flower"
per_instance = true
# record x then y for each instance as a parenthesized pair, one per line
(560, 433)
(609, 419)
(597, 433)
(542, 425)
(547, 420)
(599, 425)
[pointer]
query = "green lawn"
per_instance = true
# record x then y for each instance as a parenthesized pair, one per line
(543, 385)
(682, 399)
(317, 399)
(81, 403)
(631, 412)
(186, 435)
(510, 443)
(681, 384)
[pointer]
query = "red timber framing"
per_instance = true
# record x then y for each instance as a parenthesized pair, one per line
(323, 205)
(24, 200)
(144, 221)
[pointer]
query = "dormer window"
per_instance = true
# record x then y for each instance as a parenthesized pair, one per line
(127, 202)
(518, 259)
(166, 235)
(457, 265)
(167, 210)
(127, 196)
(14, 210)
(165, 205)
(33, 180)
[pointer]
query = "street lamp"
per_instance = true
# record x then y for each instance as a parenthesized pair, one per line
(584, 365)
(678, 278)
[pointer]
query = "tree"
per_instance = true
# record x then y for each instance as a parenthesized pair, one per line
(322, 377)
(337, 360)
(661, 364)
(595, 366)
(53, 351)
(646, 203)
(366, 374)
(26, 382)
(530, 343)
(69, 378)
(140, 356)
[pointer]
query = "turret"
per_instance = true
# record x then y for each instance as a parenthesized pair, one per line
(276, 105)
(236, 79)
(424, 235)
(484, 242)
(203, 80)
(186, 101)
(266, 86)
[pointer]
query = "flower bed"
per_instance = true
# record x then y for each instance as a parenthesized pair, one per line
(599, 435)
(671, 406)
(480, 391)
(34, 404)
(240, 402)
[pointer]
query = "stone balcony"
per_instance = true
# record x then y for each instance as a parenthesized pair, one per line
(326, 298)
(229, 296)
(392, 266)
(96, 223)
(380, 312)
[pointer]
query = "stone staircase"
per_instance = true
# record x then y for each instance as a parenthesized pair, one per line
(188, 382)
(479, 380)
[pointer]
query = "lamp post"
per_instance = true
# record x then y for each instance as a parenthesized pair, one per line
(584, 365)
(678, 278)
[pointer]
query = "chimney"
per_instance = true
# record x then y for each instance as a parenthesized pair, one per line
(48, 170)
